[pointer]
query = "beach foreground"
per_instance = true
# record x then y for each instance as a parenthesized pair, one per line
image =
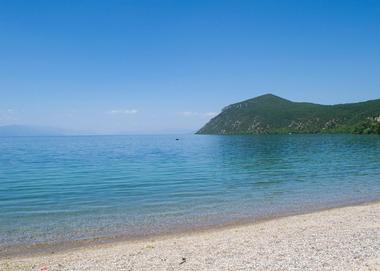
(345, 238)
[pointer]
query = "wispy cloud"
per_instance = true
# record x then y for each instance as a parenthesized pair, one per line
(198, 114)
(188, 113)
(7, 115)
(210, 114)
(122, 111)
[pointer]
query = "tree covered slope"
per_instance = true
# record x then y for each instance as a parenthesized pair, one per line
(269, 114)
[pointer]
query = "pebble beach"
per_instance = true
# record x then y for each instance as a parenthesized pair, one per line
(346, 238)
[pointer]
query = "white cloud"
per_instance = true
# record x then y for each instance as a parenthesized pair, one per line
(198, 114)
(122, 111)
(8, 115)
(210, 114)
(189, 113)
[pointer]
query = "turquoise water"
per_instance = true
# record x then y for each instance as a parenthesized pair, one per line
(54, 189)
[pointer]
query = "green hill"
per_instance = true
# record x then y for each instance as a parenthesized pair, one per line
(269, 114)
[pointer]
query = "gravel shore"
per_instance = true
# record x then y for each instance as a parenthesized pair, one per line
(345, 238)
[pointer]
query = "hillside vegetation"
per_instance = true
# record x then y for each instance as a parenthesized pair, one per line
(270, 114)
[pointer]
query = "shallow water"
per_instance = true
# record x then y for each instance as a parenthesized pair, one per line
(55, 189)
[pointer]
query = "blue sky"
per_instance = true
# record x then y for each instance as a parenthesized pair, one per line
(168, 66)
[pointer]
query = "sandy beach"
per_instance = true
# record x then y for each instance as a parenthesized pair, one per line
(345, 238)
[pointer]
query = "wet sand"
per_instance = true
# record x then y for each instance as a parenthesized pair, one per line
(346, 238)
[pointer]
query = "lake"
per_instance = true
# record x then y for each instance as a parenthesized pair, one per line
(54, 189)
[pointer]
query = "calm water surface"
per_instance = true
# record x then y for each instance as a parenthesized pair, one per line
(54, 189)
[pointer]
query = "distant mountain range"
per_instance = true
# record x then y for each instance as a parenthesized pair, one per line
(25, 130)
(270, 114)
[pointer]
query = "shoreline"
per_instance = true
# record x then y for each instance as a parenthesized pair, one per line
(45, 249)
(345, 238)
